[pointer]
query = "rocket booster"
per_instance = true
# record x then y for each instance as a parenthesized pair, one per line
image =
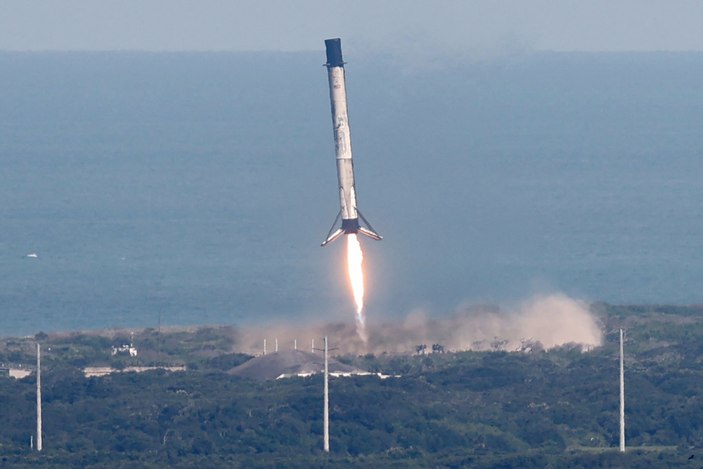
(348, 212)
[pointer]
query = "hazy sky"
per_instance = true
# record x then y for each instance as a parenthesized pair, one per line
(478, 26)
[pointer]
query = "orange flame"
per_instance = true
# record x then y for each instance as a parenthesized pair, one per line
(355, 258)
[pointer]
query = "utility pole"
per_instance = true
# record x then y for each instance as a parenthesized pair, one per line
(326, 412)
(39, 424)
(326, 403)
(622, 394)
(158, 342)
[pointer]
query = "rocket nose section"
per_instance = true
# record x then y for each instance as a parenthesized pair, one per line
(334, 52)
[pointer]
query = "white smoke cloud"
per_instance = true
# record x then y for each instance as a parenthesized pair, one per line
(556, 320)
(545, 321)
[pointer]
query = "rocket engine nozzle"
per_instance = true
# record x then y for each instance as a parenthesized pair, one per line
(350, 226)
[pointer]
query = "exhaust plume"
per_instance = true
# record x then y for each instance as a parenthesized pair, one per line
(355, 258)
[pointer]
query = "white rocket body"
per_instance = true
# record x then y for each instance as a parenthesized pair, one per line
(348, 211)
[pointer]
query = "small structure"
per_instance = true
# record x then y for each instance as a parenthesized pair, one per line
(437, 348)
(125, 349)
(15, 372)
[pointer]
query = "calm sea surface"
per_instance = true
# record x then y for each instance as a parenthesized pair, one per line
(199, 186)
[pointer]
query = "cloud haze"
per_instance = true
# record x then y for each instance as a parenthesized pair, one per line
(472, 26)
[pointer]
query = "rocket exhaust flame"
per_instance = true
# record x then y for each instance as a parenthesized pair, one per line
(355, 259)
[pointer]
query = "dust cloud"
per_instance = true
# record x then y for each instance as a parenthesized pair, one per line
(540, 323)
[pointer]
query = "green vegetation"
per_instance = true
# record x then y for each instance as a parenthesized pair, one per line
(471, 409)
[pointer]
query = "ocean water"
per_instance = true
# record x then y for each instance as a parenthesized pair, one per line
(198, 186)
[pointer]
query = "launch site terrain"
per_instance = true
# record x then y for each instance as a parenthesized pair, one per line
(555, 408)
